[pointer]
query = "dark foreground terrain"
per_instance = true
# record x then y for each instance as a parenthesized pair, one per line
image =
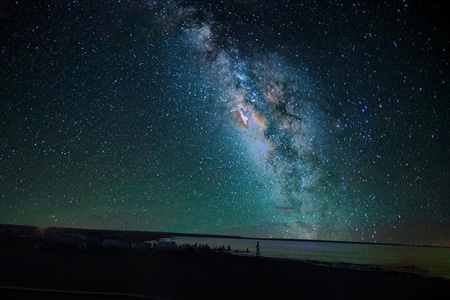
(107, 273)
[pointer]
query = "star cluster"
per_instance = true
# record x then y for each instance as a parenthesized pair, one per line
(295, 120)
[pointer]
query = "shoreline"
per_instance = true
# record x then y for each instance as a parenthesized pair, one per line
(61, 238)
(107, 273)
(98, 272)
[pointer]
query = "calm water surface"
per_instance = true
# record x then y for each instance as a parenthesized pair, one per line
(435, 260)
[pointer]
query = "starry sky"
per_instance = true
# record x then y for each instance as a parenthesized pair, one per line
(305, 119)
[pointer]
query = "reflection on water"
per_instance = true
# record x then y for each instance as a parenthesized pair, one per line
(430, 260)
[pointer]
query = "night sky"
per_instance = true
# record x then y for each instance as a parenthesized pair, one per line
(301, 119)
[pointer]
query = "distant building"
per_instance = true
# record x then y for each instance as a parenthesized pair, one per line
(141, 246)
(166, 246)
(114, 244)
(75, 237)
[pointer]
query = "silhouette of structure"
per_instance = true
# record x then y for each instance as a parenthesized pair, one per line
(257, 249)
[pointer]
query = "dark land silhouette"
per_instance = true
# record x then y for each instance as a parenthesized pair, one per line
(76, 264)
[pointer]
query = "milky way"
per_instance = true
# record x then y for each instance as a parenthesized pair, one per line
(296, 120)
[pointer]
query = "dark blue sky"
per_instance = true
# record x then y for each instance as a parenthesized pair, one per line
(295, 120)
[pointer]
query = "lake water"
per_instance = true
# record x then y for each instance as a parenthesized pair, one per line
(431, 260)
